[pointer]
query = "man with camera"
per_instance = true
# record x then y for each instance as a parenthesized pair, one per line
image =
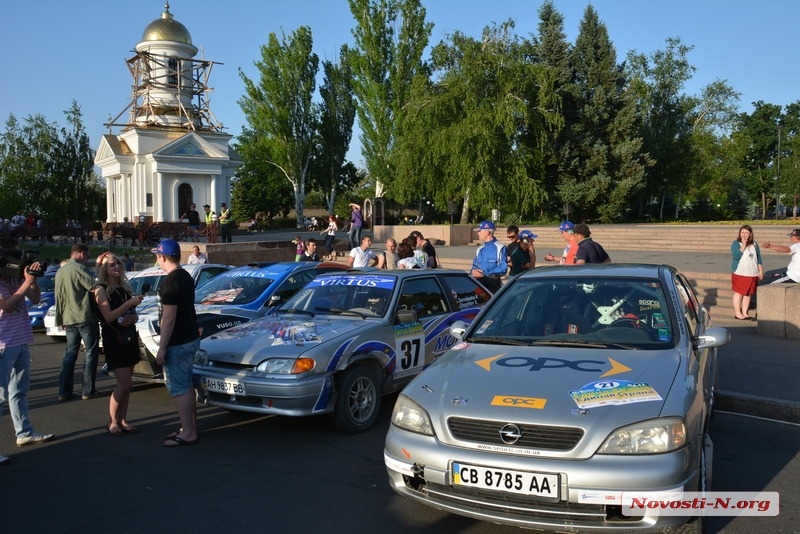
(75, 313)
(17, 281)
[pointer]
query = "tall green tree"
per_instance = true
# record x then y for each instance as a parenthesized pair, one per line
(282, 117)
(658, 82)
(789, 179)
(331, 172)
(50, 170)
(605, 164)
(390, 38)
(260, 188)
(551, 48)
(760, 132)
(716, 173)
(476, 133)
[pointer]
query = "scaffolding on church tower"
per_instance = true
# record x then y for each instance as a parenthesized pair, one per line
(169, 92)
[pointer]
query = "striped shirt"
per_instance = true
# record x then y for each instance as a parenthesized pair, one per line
(15, 326)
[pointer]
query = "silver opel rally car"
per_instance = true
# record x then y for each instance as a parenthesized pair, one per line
(338, 345)
(572, 386)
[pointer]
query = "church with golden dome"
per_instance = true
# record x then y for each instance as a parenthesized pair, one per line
(171, 152)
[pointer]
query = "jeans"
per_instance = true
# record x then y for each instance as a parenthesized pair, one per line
(90, 333)
(15, 380)
(354, 236)
(178, 368)
(329, 243)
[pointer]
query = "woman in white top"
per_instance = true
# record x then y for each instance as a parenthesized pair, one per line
(406, 255)
(746, 269)
(330, 237)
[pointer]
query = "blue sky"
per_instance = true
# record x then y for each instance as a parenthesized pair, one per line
(56, 51)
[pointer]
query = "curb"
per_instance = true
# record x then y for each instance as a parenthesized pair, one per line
(768, 407)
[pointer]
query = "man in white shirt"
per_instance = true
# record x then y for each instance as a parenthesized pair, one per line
(197, 256)
(793, 270)
(362, 256)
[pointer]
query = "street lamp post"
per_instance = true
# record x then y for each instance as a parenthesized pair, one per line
(778, 173)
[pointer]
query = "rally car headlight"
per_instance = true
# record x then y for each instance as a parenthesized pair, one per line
(286, 366)
(201, 357)
(51, 312)
(647, 437)
(410, 416)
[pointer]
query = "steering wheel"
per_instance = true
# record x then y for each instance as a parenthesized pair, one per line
(633, 322)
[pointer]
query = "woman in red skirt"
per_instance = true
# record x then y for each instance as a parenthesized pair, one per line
(746, 269)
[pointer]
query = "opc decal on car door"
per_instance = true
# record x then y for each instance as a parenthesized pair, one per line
(410, 348)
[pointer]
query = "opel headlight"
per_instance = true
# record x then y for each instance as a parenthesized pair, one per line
(410, 416)
(648, 437)
(201, 357)
(51, 312)
(286, 366)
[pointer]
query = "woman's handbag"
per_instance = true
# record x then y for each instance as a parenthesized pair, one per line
(126, 336)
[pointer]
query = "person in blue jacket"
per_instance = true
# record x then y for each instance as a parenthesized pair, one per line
(491, 259)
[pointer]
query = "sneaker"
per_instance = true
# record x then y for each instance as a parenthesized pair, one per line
(64, 398)
(34, 438)
(3, 460)
(92, 395)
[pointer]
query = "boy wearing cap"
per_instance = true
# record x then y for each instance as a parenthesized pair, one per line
(793, 270)
(491, 259)
(179, 339)
(568, 257)
(524, 255)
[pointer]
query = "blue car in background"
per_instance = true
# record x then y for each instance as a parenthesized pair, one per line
(229, 299)
(47, 285)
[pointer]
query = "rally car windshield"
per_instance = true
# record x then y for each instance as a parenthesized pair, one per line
(362, 296)
(599, 312)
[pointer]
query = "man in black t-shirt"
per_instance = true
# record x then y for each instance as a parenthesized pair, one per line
(180, 339)
(194, 222)
(589, 251)
(425, 246)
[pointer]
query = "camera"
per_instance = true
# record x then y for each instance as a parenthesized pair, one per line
(14, 263)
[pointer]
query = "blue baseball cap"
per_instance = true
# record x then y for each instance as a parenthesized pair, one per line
(485, 225)
(565, 226)
(168, 247)
(527, 234)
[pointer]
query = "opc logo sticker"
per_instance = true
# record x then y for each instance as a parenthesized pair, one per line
(539, 364)
(519, 402)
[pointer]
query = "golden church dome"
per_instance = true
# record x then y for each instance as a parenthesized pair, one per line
(166, 28)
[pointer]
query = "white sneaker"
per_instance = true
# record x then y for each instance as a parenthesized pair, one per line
(3, 459)
(34, 438)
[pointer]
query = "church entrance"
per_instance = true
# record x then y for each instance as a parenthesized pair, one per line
(185, 198)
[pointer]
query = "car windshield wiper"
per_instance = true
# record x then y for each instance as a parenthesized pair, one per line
(341, 311)
(583, 343)
(498, 340)
(295, 310)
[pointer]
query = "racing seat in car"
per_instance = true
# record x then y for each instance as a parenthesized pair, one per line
(563, 313)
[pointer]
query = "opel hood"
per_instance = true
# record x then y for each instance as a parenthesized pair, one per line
(597, 390)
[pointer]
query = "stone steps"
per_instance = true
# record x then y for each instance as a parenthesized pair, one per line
(679, 237)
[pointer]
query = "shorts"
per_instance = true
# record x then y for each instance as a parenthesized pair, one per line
(744, 285)
(178, 368)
